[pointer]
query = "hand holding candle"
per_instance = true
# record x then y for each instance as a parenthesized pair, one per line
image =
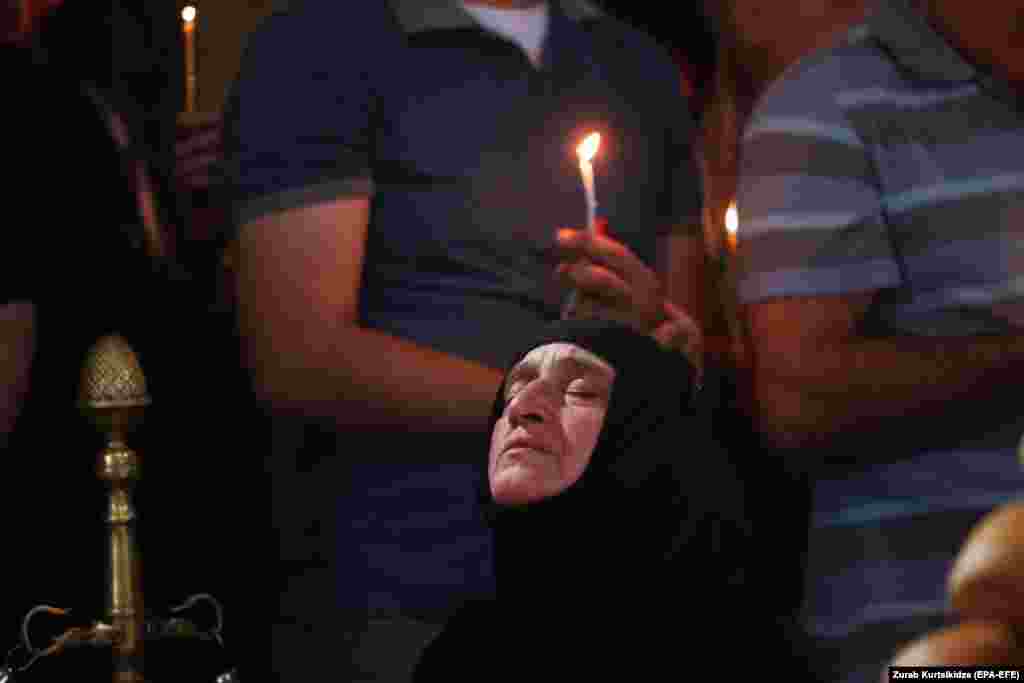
(610, 281)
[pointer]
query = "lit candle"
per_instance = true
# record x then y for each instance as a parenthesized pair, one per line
(586, 152)
(188, 27)
(732, 224)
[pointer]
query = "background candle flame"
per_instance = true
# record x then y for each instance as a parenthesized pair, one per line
(732, 223)
(188, 14)
(588, 148)
(732, 219)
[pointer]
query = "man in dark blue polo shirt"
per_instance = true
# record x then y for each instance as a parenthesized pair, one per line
(400, 170)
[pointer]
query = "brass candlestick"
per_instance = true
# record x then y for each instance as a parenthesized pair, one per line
(113, 395)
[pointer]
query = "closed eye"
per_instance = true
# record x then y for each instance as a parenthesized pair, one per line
(583, 394)
(586, 390)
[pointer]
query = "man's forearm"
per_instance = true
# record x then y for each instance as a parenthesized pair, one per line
(853, 388)
(366, 378)
(298, 278)
(683, 269)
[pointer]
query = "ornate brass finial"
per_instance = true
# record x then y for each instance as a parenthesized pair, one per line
(112, 376)
(112, 392)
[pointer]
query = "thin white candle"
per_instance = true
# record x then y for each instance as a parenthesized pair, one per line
(188, 18)
(586, 152)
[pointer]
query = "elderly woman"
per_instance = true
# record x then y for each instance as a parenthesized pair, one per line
(615, 517)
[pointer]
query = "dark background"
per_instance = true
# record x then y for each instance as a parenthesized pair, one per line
(680, 26)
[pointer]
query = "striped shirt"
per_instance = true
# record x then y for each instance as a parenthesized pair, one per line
(887, 163)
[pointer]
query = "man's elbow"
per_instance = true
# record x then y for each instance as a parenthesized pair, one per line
(292, 375)
(274, 372)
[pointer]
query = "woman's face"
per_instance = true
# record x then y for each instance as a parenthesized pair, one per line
(556, 398)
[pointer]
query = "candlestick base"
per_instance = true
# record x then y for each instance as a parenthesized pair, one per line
(103, 635)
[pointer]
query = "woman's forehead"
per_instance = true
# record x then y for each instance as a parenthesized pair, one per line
(559, 354)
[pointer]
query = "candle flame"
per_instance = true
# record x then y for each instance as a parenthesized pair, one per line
(588, 148)
(188, 14)
(732, 219)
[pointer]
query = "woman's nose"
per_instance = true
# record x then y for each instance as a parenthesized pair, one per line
(531, 404)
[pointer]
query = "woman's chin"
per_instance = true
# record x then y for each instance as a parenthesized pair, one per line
(519, 486)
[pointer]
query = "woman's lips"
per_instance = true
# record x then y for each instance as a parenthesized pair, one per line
(523, 445)
(521, 452)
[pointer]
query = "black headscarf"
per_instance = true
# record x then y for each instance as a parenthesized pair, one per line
(653, 526)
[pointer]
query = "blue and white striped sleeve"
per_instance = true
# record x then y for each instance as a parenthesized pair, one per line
(811, 211)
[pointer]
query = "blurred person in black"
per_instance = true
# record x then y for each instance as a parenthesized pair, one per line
(88, 249)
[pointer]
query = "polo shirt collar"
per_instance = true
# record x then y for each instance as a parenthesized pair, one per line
(912, 42)
(416, 16)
